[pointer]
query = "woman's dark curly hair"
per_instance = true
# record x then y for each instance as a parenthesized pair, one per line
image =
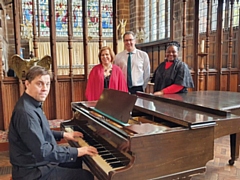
(173, 43)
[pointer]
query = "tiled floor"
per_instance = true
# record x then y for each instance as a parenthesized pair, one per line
(217, 169)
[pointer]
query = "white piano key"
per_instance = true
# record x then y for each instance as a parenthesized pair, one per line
(98, 159)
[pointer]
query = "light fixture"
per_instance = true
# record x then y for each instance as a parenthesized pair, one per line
(7, 17)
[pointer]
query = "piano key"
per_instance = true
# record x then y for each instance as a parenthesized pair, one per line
(106, 167)
(101, 149)
(107, 156)
(116, 165)
(101, 146)
(113, 155)
(103, 153)
(112, 160)
(91, 141)
(97, 145)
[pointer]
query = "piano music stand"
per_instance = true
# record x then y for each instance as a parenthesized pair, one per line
(115, 105)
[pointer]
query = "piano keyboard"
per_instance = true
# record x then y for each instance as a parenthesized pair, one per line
(108, 158)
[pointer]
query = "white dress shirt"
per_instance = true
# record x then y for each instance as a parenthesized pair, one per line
(140, 66)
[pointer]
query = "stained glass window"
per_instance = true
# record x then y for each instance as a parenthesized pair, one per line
(77, 19)
(93, 21)
(107, 18)
(61, 17)
(44, 18)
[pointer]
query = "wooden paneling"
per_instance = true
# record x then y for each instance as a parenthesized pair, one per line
(79, 88)
(10, 95)
(211, 82)
(234, 83)
(49, 105)
(65, 99)
(189, 54)
(224, 83)
(1, 109)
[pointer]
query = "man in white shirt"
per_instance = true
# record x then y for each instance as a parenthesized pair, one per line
(138, 75)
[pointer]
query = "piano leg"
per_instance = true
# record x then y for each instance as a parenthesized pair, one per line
(234, 147)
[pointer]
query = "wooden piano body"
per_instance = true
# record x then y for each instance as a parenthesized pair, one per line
(169, 137)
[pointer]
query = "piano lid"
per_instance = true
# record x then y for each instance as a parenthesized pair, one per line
(115, 105)
(217, 102)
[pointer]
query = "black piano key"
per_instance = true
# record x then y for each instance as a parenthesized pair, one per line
(116, 162)
(116, 165)
(101, 149)
(121, 158)
(97, 145)
(125, 162)
(112, 156)
(104, 153)
(92, 143)
(107, 156)
(111, 160)
(117, 154)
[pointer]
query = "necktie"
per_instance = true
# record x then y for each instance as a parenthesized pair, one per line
(129, 71)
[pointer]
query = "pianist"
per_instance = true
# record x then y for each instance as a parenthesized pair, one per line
(34, 153)
(172, 75)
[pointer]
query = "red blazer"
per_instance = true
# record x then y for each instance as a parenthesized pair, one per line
(95, 83)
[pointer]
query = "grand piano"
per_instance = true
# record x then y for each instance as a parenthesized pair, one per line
(155, 137)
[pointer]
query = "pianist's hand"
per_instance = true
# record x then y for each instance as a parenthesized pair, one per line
(87, 150)
(72, 135)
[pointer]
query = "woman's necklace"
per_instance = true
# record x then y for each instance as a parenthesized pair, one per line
(107, 68)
